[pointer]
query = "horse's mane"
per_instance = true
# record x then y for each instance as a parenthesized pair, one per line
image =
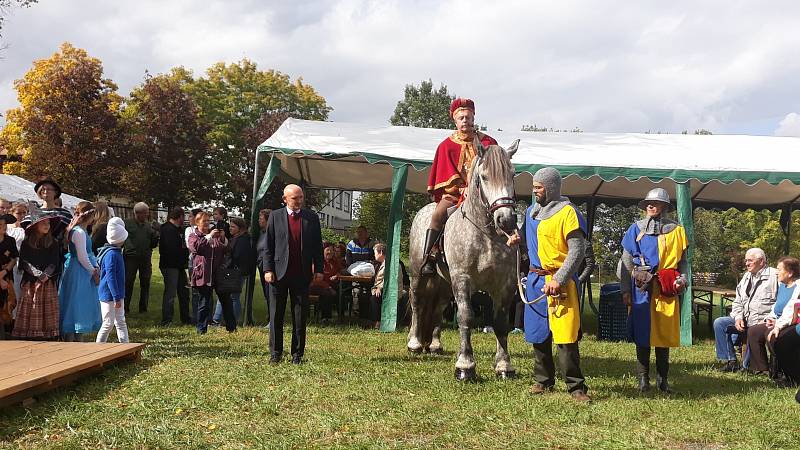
(497, 164)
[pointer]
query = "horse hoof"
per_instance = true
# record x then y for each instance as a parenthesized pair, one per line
(415, 350)
(436, 350)
(466, 375)
(506, 374)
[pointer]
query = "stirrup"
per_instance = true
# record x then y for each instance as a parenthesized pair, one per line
(429, 268)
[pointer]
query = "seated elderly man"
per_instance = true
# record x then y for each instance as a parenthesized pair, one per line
(755, 295)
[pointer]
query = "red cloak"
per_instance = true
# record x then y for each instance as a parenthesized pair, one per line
(451, 164)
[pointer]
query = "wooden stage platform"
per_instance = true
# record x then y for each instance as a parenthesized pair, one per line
(28, 368)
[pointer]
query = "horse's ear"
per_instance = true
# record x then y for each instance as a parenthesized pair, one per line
(479, 148)
(512, 149)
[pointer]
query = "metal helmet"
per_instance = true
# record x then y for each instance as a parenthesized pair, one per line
(656, 195)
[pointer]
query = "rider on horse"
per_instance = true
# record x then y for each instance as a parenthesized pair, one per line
(449, 175)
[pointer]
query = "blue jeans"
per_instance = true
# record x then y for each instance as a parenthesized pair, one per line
(237, 306)
(727, 338)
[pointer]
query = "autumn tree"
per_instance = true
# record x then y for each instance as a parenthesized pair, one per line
(170, 161)
(232, 98)
(423, 106)
(66, 125)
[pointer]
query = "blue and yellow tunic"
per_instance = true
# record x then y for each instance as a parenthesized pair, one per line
(654, 319)
(547, 250)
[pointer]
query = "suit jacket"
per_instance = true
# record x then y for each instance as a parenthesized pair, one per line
(275, 256)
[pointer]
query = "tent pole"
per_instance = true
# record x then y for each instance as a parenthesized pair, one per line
(259, 191)
(392, 274)
(683, 196)
(786, 224)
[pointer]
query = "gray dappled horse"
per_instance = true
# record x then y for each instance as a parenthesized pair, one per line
(478, 258)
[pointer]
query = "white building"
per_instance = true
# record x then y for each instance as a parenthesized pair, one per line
(337, 212)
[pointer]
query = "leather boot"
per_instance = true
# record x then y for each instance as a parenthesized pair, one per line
(429, 268)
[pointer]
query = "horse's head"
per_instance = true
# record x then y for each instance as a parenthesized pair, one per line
(493, 182)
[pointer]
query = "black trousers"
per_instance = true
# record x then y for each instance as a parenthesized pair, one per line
(569, 361)
(375, 305)
(143, 265)
(643, 361)
(787, 353)
(294, 289)
(264, 288)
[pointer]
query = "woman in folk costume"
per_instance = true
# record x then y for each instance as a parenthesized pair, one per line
(40, 261)
(555, 236)
(450, 170)
(651, 283)
(77, 293)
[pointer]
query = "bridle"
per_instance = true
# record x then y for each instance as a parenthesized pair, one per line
(499, 203)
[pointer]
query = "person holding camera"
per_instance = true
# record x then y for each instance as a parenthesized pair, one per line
(208, 248)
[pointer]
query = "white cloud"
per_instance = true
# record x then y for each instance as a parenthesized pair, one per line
(789, 126)
(647, 66)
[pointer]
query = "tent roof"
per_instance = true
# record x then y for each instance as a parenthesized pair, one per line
(722, 170)
(14, 188)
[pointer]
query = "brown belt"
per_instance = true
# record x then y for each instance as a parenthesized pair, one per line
(539, 271)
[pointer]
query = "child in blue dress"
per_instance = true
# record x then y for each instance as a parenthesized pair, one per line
(77, 293)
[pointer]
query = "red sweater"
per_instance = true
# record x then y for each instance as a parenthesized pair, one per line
(294, 267)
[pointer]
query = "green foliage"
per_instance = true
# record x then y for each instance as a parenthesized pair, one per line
(232, 99)
(372, 211)
(424, 107)
(333, 236)
(610, 225)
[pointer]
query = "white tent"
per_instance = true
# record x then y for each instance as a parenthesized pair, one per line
(722, 170)
(14, 188)
(613, 168)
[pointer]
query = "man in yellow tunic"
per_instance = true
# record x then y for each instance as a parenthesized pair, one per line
(555, 235)
(651, 281)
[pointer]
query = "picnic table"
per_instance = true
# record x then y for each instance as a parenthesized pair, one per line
(703, 300)
(363, 281)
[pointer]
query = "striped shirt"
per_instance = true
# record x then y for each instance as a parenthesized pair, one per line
(359, 251)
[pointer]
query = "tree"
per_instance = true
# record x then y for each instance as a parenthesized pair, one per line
(66, 125)
(424, 107)
(170, 159)
(371, 210)
(610, 226)
(232, 99)
(6, 5)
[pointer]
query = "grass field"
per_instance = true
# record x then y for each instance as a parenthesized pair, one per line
(360, 389)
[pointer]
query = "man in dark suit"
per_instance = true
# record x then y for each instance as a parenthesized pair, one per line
(293, 251)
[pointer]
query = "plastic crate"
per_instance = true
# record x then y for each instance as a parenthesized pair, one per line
(612, 316)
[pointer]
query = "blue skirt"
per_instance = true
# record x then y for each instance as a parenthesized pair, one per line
(78, 299)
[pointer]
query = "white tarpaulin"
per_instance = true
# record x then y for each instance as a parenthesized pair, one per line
(744, 171)
(14, 188)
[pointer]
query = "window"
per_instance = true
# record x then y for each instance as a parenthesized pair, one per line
(339, 200)
(347, 202)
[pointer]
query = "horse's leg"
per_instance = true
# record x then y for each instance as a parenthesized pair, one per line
(465, 364)
(436, 342)
(502, 360)
(414, 344)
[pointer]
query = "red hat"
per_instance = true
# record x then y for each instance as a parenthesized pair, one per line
(461, 103)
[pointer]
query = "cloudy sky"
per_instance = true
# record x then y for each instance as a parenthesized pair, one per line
(732, 67)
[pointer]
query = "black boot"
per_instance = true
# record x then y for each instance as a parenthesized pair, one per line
(662, 367)
(643, 368)
(429, 268)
